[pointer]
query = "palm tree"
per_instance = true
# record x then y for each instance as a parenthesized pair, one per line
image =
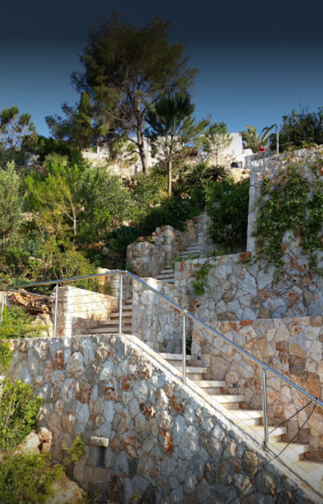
(254, 141)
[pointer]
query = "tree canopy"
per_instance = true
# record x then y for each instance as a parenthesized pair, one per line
(14, 127)
(126, 70)
(172, 129)
(76, 128)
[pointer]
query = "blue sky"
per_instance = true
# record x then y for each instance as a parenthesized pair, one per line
(256, 63)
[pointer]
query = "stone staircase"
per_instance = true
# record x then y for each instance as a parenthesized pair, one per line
(293, 455)
(168, 274)
(112, 325)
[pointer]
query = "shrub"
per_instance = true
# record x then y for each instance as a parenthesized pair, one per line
(27, 478)
(18, 411)
(173, 212)
(17, 323)
(227, 206)
(117, 243)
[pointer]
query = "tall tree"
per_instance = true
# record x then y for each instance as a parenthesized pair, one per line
(14, 127)
(127, 69)
(172, 129)
(76, 127)
(254, 141)
(215, 140)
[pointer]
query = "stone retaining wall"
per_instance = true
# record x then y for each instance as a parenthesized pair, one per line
(237, 288)
(80, 310)
(262, 166)
(149, 258)
(292, 347)
(155, 321)
(144, 431)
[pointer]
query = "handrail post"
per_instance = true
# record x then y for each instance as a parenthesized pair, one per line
(3, 300)
(120, 302)
(56, 309)
(184, 347)
(264, 406)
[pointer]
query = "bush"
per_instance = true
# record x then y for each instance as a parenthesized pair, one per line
(117, 243)
(227, 206)
(27, 478)
(173, 212)
(18, 411)
(17, 323)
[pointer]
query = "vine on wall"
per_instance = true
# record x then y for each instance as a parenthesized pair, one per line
(289, 202)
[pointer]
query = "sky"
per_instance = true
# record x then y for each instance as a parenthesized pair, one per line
(257, 62)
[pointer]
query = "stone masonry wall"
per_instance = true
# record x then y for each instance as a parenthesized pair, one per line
(145, 431)
(293, 347)
(80, 310)
(238, 288)
(155, 321)
(262, 166)
(148, 258)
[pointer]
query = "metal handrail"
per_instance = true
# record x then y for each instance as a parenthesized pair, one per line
(185, 313)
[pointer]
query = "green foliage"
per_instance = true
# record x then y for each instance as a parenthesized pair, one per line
(43, 146)
(18, 411)
(289, 203)
(199, 285)
(196, 181)
(227, 206)
(127, 68)
(172, 211)
(27, 478)
(14, 127)
(5, 356)
(172, 129)
(75, 452)
(77, 203)
(215, 140)
(299, 130)
(11, 201)
(117, 243)
(17, 323)
(76, 129)
(252, 140)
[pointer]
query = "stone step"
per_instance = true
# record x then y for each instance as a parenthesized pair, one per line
(210, 383)
(273, 434)
(125, 320)
(165, 276)
(292, 453)
(249, 417)
(166, 271)
(194, 373)
(111, 329)
(166, 280)
(228, 398)
(174, 357)
(312, 470)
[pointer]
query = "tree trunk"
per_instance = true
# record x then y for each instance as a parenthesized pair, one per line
(142, 152)
(170, 166)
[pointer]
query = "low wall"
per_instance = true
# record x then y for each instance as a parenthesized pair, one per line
(237, 288)
(155, 321)
(144, 431)
(148, 258)
(80, 310)
(293, 347)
